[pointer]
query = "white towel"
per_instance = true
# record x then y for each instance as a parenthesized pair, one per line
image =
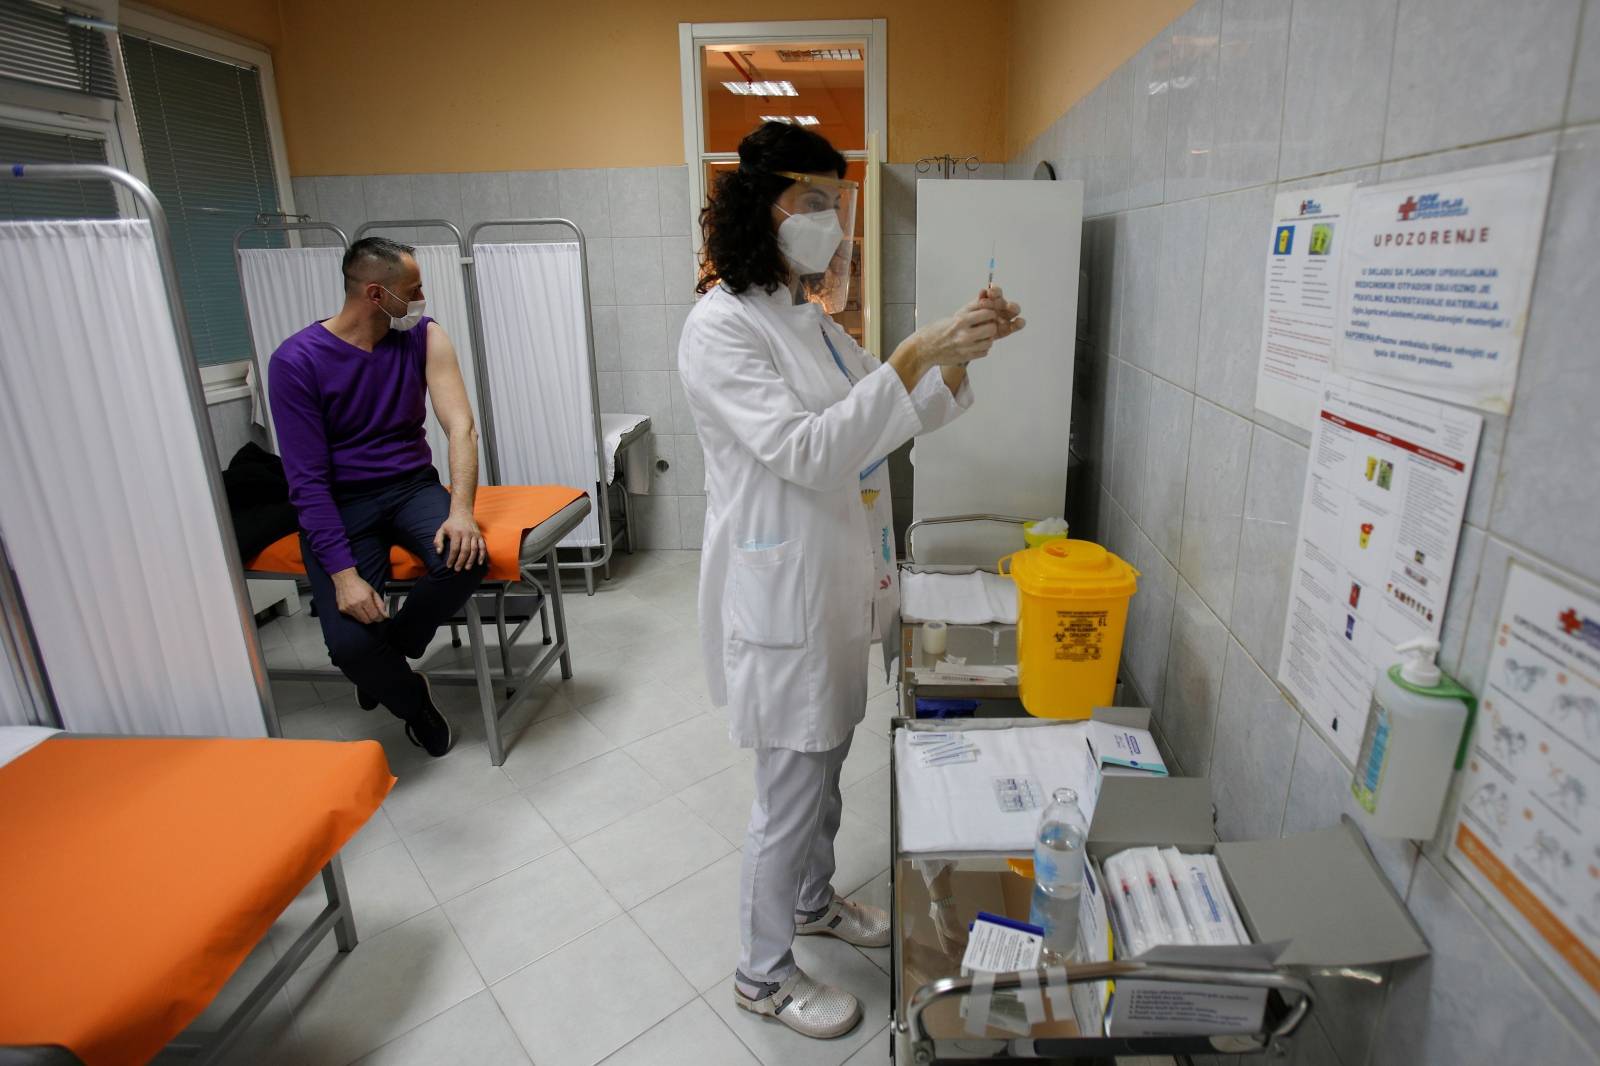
(971, 599)
(954, 807)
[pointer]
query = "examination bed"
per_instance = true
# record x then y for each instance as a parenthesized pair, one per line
(522, 526)
(142, 871)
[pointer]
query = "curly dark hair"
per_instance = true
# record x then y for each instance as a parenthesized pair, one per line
(741, 248)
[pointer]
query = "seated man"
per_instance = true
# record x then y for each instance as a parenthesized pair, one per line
(348, 402)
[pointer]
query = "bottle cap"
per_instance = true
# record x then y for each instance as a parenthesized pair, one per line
(1416, 662)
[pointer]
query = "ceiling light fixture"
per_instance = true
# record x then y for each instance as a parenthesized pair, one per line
(819, 55)
(760, 88)
(793, 120)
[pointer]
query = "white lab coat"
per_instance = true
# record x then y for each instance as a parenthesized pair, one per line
(786, 578)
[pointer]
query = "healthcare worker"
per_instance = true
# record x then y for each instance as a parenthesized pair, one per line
(796, 421)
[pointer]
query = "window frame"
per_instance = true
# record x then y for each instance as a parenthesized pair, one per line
(224, 382)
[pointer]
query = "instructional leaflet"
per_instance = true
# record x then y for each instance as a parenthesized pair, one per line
(1301, 309)
(1527, 833)
(1380, 517)
(1437, 279)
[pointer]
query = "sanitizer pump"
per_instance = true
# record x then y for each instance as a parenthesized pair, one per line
(1413, 741)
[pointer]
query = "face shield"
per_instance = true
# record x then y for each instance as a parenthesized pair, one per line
(819, 237)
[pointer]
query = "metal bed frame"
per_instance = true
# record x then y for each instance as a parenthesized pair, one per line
(588, 563)
(337, 915)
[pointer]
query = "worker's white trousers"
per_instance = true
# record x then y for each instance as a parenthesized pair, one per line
(788, 854)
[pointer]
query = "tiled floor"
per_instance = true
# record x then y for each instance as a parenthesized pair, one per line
(576, 905)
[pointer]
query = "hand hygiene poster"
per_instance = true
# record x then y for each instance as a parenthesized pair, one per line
(1379, 521)
(1301, 307)
(1527, 834)
(1437, 277)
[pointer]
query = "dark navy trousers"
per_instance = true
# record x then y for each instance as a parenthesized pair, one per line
(406, 510)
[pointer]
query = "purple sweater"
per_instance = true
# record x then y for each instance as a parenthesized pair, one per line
(345, 416)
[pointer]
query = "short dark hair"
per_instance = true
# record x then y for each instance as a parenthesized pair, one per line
(372, 259)
(741, 249)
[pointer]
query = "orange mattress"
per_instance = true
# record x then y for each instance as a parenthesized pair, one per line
(141, 871)
(504, 512)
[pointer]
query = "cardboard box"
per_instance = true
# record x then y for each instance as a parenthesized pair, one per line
(1321, 894)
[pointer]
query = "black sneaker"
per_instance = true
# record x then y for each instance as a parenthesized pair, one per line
(429, 729)
(366, 702)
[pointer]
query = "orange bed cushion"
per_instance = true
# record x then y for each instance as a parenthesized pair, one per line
(141, 871)
(504, 513)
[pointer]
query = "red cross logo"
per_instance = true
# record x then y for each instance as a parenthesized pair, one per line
(1569, 620)
(1407, 208)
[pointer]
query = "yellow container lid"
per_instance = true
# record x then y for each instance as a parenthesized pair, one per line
(1072, 568)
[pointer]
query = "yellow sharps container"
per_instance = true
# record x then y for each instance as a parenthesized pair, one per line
(1072, 609)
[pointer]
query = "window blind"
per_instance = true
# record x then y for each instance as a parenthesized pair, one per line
(203, 129)
(39, 45)
(53, 199)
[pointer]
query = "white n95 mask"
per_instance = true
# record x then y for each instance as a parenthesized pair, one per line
(413, 315)
(810, 240)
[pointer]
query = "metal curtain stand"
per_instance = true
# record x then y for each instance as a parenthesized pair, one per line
(587, 564)
(17, 644)
(469, 284)
(190, 369)
(304, 225)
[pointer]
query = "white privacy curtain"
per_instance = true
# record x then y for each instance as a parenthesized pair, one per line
(285, 290)
(536, 349)
(109, 518)
(446, 291)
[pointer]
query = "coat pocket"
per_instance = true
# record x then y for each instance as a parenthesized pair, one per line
(767, 598)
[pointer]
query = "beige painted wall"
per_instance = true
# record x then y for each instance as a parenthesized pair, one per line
(1059, 50)
(415, 86)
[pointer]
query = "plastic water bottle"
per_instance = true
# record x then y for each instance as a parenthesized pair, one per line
(1058, 874)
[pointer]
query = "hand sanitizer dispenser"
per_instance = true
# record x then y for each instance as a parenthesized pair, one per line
(1413, 740)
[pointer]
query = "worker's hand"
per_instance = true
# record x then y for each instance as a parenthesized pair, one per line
(358, 599)
(459, 542)
(1010, 314)
(959, 339)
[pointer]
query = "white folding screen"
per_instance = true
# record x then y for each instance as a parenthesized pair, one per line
(446, 291)
(541, 380)
(110, 523)
(285, 290)
(1008, 454)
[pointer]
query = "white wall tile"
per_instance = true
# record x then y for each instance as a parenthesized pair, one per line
(682, 419)
(1178, 279)
(691, 464)
(1132, 423)
(1475, 70)
(534, 194)
(437, 196)
(485, 196)
(1219, 460)
(1538, 503)
(1468, 997)
(1267, 533)
(1104, 442)
(602, 280)
(645, 393)
(1249, 98)
(1253, 753)
(1231, 298)
(341, 202)
(676, 316)
(1147, 121)
(636, 262)
(1192, 100)
(585, 198)
(642, 338)
(305, 196)
(389, 196)
(634, 201)
(899, 198)
(1149, 631)
(672, 191)
(1194, 681)
(607, 343)
(1141, 270)
(611, 400)
(656, 521)
(1333, 116)
(1166, 464)
(1458, 605)
(691, 521)
(680, 270)
(1116, 158)
(899, 322)
(899, 269)
(1583, 105)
